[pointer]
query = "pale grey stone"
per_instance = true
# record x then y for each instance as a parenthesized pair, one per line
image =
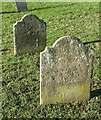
(29, 35)
(65, 71)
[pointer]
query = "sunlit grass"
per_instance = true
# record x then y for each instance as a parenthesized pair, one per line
(20, 74)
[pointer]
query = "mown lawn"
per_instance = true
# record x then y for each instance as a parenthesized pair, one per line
(20, 74)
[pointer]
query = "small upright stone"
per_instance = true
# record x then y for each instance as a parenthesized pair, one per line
(21, 5)
(65, 71)
(29, 35)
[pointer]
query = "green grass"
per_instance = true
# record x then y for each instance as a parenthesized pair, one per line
(20, 74)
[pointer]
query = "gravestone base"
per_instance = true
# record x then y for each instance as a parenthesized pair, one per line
(66, 94)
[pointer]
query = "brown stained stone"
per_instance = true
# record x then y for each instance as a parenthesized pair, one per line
(65, 71)
(29, 35)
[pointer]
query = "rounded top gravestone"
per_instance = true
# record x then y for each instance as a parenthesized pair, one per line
(29, 35)
(65, 71)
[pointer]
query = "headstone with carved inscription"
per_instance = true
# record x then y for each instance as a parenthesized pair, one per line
(29, 35)
(65, 71)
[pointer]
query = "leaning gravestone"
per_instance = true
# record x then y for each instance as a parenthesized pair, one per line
(29, 35)
(65, 72)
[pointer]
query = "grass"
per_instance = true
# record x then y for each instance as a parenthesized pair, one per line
(20, 74)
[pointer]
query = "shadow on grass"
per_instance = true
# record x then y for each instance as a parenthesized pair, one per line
(42, 8)
(8, 12)
(96, 41)
(95, 93)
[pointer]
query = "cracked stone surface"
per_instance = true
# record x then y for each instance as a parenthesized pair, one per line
(65, 71)
(29, 35)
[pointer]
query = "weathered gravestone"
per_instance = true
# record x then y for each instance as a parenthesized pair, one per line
(21, 5)
(29, 35)
(65, 72)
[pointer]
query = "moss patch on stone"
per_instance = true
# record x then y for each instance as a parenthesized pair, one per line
(67, 93)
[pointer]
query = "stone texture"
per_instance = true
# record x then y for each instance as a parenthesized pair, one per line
(21, 5)
(65, 71)
(29, 35)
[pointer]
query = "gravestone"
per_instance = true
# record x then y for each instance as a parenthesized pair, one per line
(65, 71)
(21, 5)
(29, 35)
